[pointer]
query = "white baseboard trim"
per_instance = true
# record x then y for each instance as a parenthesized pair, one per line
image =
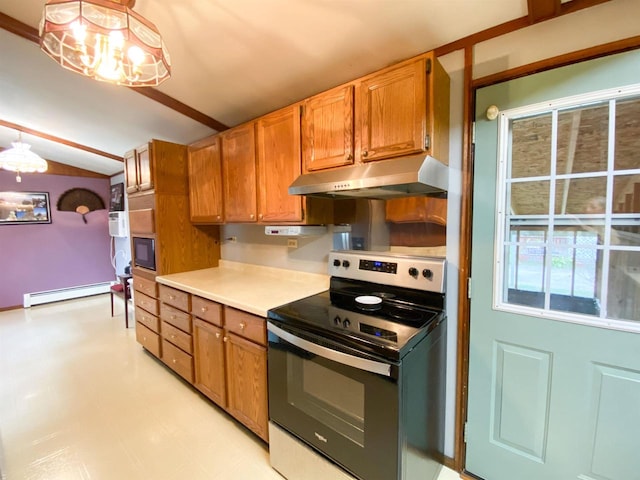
(38, 298)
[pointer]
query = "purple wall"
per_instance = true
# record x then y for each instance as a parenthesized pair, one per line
(65, 253)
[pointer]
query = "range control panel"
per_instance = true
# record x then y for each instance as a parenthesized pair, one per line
(422, 273)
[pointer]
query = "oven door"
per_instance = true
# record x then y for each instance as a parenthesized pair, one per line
(342, 403)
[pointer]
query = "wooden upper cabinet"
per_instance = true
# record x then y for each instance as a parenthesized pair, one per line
(392, 111)
(278, 148)
(327, 129)
(138, 170)
(145, 168)
(239, 172)
(417, 209)
(205, 181)
(159, 166)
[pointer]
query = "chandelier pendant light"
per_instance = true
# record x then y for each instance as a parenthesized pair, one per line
(104, 40)
(20, 159)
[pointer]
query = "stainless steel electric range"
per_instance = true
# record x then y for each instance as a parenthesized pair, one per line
(356, 373)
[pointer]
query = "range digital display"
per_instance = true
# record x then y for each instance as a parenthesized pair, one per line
(379, 332)
(378, 266)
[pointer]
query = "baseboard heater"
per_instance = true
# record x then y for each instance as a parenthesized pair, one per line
(38, 298)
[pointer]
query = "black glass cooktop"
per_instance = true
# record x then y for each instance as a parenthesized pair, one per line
(380, 319)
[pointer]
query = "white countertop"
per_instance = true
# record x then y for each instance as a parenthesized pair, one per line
(252, 288)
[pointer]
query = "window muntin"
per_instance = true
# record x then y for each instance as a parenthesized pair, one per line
(569, 210)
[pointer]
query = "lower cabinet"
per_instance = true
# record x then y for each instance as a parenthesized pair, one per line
(208, 346)
(247, 383)
(146, 307)
(222, 351)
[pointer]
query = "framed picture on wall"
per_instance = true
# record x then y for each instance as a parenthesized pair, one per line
(24, 208)
(116, 202)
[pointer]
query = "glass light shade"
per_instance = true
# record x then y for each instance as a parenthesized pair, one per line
(104, 40)
(21, 159)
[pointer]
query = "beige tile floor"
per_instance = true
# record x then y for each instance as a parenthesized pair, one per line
(80, 399)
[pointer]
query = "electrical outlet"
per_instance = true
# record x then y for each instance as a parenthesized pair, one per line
(292, 242)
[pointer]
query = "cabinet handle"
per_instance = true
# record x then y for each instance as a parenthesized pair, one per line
(218, 217)
(173, 317)
(144, 338)
(260, 216)
(171, 297)
(204, 309)
(224, 339)
(217, 334)
(365, 153)
(174, 361)
(242, 325)
(173, 337)
(252, 216)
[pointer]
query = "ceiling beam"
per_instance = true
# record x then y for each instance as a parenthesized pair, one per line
(23, 30)
(62, 141)
(510, 26)
(540, 10)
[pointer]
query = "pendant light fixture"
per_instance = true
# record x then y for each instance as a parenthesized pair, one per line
(20, 159)
(104, 40)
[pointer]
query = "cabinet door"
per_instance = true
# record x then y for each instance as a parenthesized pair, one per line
(239, 171)
(417, 209)
(208, 357)
(278, 150)
(145, 168)
(205, 181)
(327, 130)
(392, 112)
(247, 383)
(131, 172)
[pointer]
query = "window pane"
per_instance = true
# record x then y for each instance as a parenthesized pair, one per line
(627, 134)
(530, 198)
(624, 285)
(531, 146)
(582, 139)
(626, 192)
(581, 195)
(524, 262)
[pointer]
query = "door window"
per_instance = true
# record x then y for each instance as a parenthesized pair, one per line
(569, 209)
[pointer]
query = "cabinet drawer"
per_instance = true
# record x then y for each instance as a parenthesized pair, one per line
(148, 339)
(207, 310)
(175, 317)
(142, 221)
(177, 360)
(246, 325)
(146, 303)
(177, 298)
(148, 287)
(148, 320)
(177, 337)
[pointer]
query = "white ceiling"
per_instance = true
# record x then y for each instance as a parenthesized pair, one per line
(232, 60)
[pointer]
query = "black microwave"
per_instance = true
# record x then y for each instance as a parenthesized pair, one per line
(144, 252)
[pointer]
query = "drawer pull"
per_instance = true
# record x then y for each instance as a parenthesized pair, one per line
(173, 337)
(242, 325)
(144, 338)
(174, 361)
(224, 339)
(173, 317)
(171, 297)
(217, 334)
(204, 309)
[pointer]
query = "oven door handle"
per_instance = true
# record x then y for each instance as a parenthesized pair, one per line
(339, 357)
